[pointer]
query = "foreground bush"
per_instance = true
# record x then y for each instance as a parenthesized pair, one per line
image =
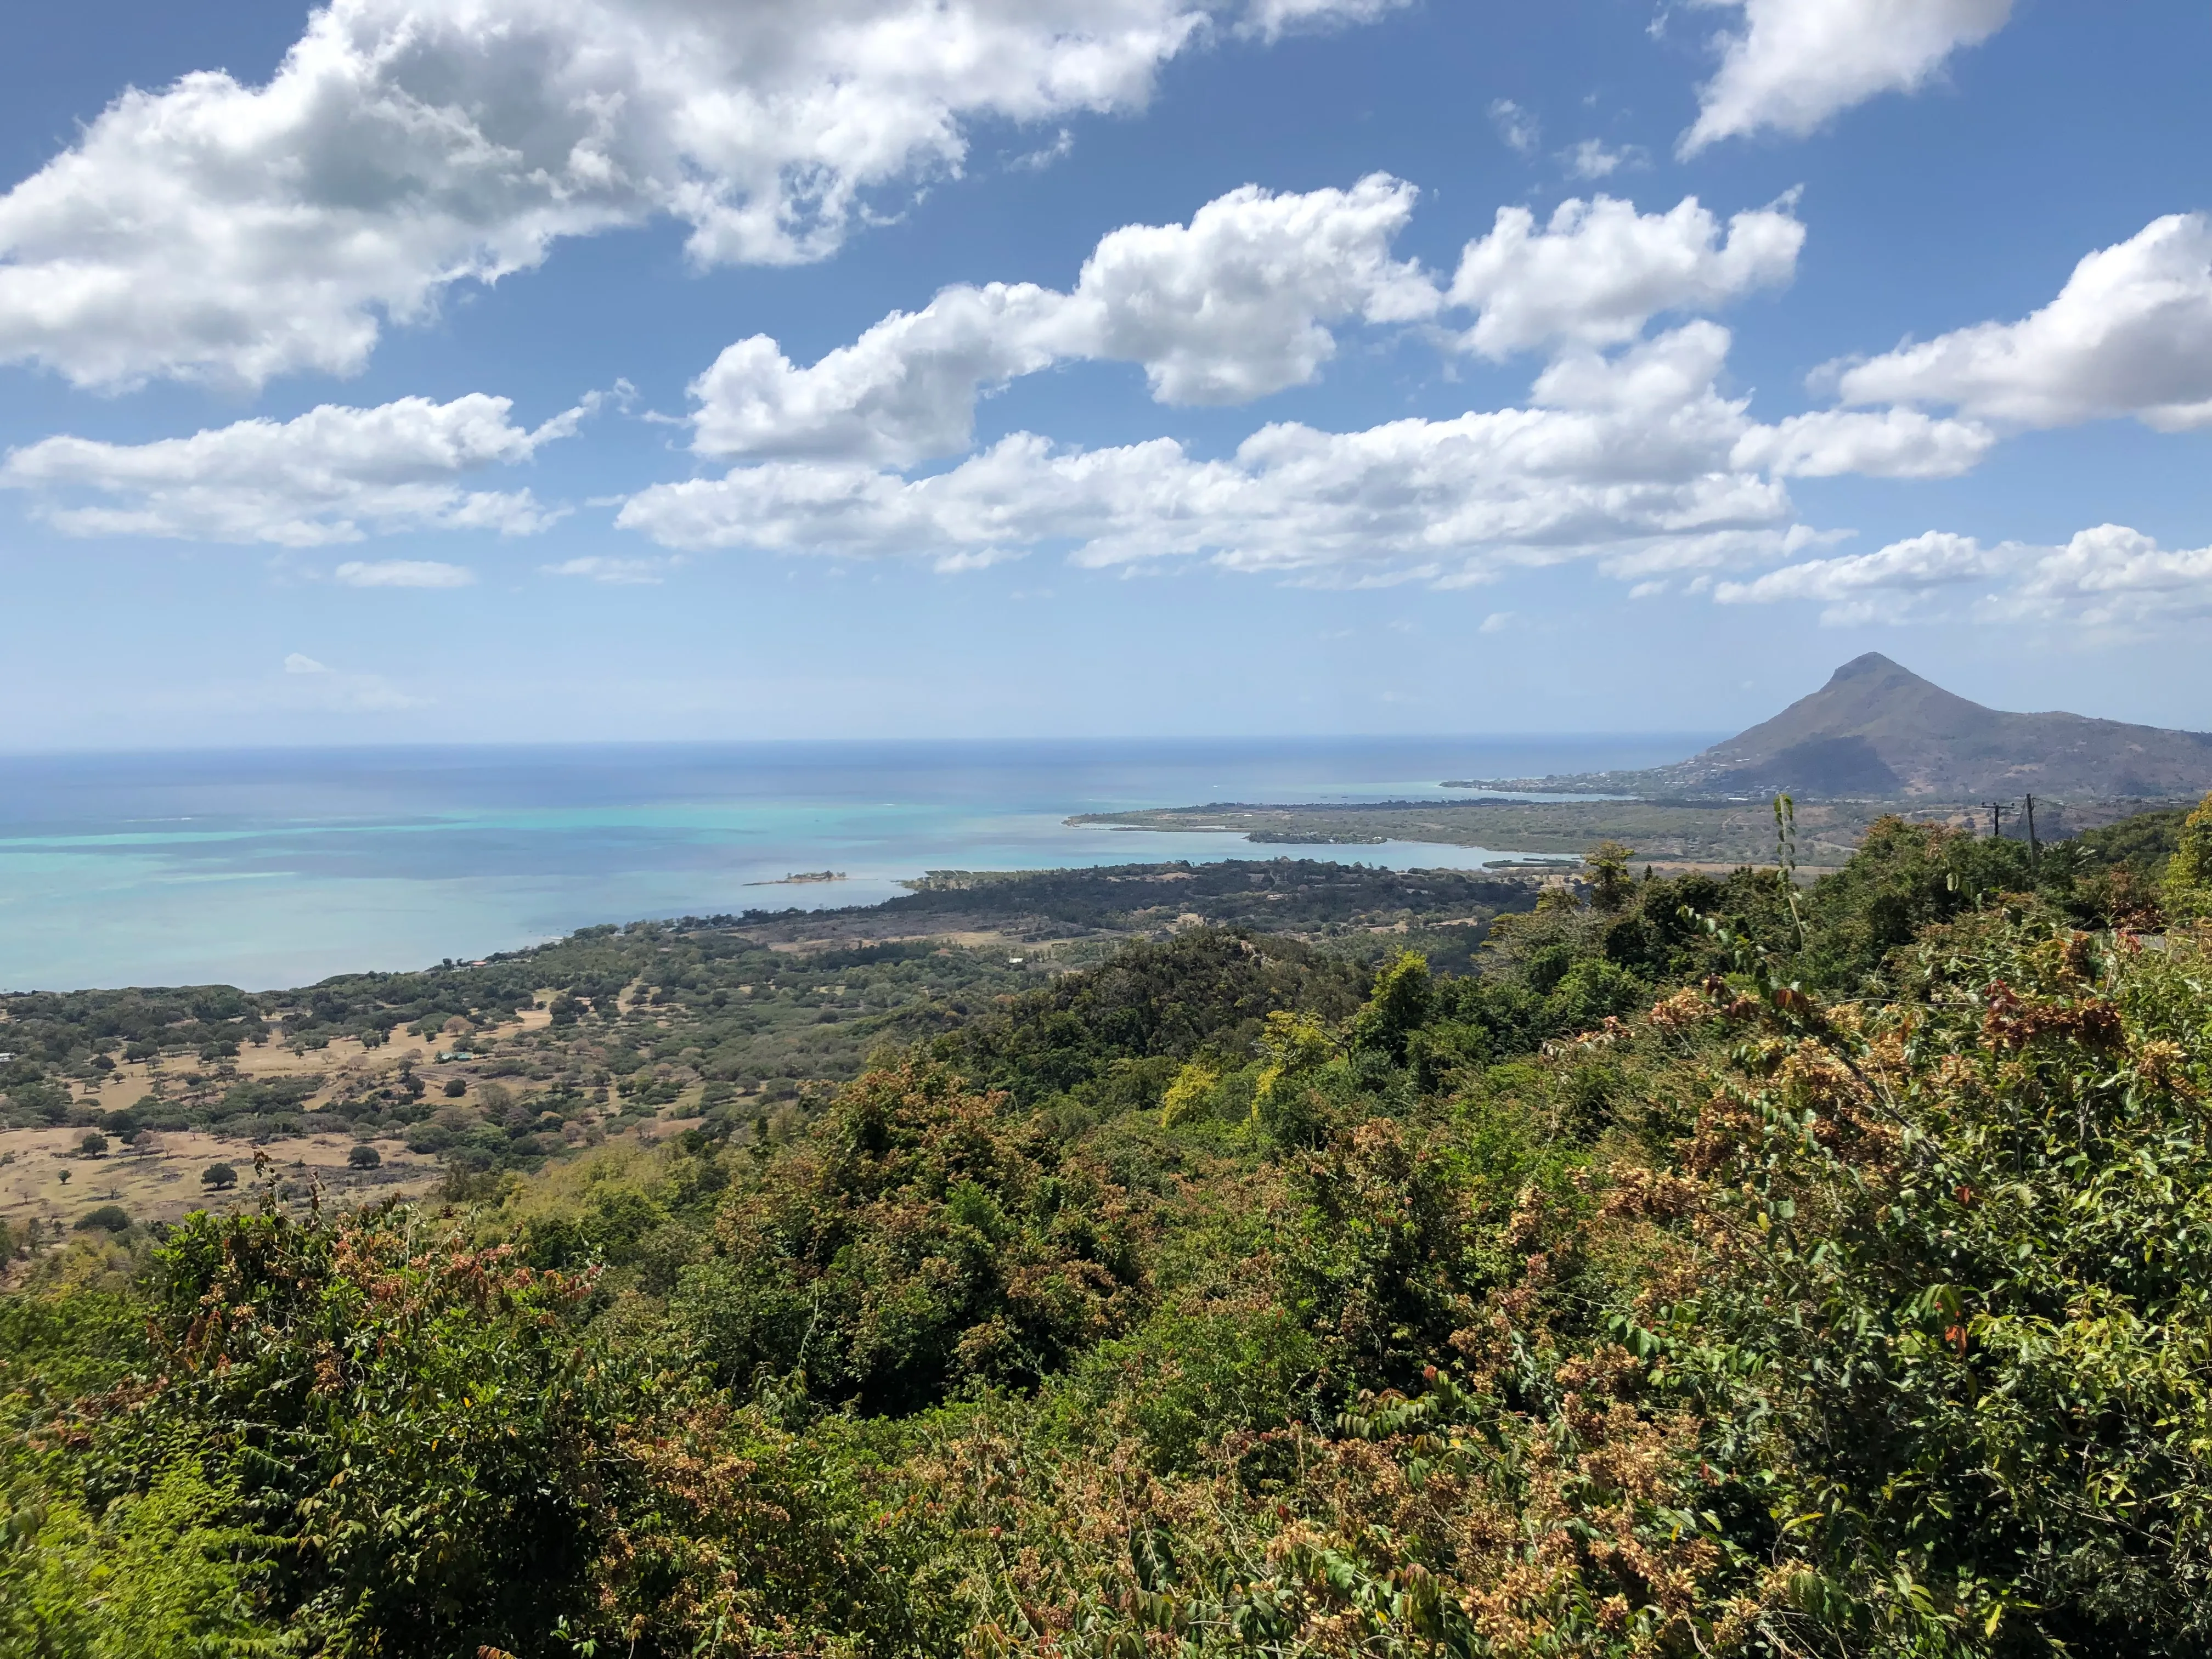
(923, 1238)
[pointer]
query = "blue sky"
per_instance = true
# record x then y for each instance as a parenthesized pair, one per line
(520, 370)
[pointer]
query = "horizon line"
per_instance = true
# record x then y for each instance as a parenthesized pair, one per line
(459, 746)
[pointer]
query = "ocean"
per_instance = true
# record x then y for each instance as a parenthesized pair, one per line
(272, 868)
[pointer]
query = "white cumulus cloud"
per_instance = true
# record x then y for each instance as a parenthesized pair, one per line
(1623, 460)
(2108, 576)
(2113, 576)
(904, 391)
(1797, 63)
(403, 573)
(1896, 443)
(1627, 451)
(1233, 306)
(1241, 302)
(1599, 270)
(1883, 585)
(332, 475)
(222, 230)
(2130, 333)
(301, 663)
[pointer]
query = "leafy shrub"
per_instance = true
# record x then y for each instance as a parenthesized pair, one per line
(1963, 1295)
(2187, 887)
(917, 1241)
(426, 1410)
(1188, 1376)
(155, 1572)
(1204, 987)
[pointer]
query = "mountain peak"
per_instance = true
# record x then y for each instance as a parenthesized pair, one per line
(1878, 730)
(1871, 665)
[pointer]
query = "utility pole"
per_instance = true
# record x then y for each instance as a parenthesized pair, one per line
(1997, 809)
(2034, 851)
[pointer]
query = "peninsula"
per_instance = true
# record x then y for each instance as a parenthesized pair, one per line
(1876, 740)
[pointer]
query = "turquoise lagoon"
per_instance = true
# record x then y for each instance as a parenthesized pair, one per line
(269, 868)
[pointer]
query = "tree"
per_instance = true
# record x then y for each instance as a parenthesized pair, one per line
(364, 1158)
(456, 1087)
(94, 1145)
(1403, 999)
(2188, 886)
(1610, 886)
(217, 1177)
(108, 1218)
(921, 1238)
(1297, 1047)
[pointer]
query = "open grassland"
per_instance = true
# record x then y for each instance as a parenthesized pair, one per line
(161, 1181)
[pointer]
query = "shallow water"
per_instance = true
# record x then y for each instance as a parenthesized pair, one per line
(268, 868)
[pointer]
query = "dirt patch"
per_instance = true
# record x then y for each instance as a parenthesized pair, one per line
(164, 1184)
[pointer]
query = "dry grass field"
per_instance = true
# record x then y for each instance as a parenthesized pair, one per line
(42, 1175)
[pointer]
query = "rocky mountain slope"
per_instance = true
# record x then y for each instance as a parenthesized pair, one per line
(1877, 731)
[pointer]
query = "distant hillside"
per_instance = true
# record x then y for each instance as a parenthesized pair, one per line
(1878, 731)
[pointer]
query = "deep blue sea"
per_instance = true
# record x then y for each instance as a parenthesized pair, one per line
(273, 868)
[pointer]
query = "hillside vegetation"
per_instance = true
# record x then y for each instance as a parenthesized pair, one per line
(538, 1055)
(1726, 1267)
